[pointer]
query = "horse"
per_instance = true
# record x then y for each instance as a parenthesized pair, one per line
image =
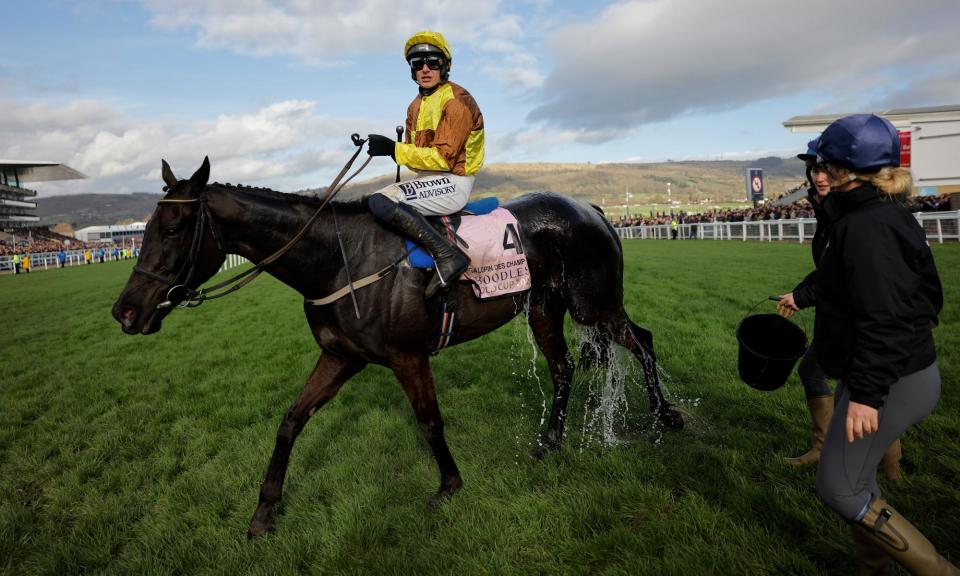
(575, 261)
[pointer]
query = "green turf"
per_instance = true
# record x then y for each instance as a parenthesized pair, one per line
(144, 455)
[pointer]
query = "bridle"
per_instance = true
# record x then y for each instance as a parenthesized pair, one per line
(181, 295)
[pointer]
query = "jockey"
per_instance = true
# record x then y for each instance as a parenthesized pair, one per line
(443, 145)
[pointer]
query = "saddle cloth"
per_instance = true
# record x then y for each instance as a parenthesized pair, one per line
(498, 265)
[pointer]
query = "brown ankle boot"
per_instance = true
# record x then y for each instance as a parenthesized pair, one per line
(886, 528)
(821, 410)
(890, 464)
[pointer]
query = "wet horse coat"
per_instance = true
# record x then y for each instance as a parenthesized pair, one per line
(576, 266)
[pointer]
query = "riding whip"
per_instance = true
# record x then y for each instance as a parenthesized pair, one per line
(399, 140)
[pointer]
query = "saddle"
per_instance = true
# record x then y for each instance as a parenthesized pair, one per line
(448, 226)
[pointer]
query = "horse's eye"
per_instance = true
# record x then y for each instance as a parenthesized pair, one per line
(171, 231)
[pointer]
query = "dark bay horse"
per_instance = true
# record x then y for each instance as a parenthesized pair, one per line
(576, 266)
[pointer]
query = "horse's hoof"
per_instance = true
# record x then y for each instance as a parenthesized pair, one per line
(438, 500)
(541, 450)
(444, 495)
(671, 418)
(258, 528)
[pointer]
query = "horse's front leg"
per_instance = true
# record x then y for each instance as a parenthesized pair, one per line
(328, 376)
(415, 377)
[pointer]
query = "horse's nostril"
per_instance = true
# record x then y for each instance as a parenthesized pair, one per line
(128, 313)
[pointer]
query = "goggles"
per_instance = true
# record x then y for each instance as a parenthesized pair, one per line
(432, 62)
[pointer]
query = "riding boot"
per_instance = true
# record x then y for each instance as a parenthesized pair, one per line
(871, 557)
(450, 261)
(890, 464)
(821, 410)
(885, 527)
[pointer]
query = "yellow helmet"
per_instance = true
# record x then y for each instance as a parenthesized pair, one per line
(422, 42)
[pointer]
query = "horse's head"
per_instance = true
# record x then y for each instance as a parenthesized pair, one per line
(179, 252)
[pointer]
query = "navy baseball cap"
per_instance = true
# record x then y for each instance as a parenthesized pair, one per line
(811, 154)
(860, 142)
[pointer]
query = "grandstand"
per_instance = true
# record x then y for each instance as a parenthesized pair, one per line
(16, 208)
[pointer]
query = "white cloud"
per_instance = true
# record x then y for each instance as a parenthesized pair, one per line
(318, 32)
(646, 61)
(283, 144)
(18, 116)
(933, 90)
(532, 142)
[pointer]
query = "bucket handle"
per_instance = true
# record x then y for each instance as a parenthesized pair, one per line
(803, 321)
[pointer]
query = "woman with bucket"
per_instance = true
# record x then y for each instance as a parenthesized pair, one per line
(818, 395)
(878, 295)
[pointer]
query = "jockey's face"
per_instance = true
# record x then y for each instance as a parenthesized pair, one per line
(427, 78)
(821, 180)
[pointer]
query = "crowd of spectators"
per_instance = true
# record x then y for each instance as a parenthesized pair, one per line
(799, 209)
(38, 240)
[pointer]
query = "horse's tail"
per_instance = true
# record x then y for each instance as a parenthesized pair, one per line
(606, 221)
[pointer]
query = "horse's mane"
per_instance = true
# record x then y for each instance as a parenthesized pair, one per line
(348, 206)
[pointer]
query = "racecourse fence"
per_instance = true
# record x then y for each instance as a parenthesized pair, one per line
(48, 260)
(940, 227)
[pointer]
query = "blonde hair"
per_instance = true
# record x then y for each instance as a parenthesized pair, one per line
(890, 180)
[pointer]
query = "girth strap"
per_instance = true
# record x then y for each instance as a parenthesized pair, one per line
(365, 281)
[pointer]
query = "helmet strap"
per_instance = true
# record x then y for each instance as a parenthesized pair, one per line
(427, 92)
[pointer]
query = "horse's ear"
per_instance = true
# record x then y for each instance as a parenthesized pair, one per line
(200, 177)
(168, 178)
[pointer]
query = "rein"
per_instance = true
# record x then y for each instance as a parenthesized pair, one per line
(181, 295)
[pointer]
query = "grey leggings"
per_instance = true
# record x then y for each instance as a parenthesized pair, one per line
(847, 473)
(812, 376)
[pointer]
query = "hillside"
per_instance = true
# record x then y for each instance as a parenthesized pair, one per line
(606, 184)
(81, 210)
(694, 183)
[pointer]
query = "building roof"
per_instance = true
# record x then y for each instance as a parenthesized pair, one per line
(900, 117)
(40, 171)
(135, 226)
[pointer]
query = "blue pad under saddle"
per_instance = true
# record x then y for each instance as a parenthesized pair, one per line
(420, 258)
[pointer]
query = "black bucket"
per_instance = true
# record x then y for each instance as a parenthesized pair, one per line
(770, 346)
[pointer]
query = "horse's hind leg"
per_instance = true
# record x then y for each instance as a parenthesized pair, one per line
(595, 353)
(639, 341)
(328, 376)
(546, 321)
(415, 377)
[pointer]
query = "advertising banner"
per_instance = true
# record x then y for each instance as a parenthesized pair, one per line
(904, 148)
(755, 184)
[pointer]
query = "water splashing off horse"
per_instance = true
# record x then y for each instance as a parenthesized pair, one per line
(576, 266)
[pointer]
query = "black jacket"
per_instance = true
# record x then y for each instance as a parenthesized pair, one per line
(804, 294)
(878, 296)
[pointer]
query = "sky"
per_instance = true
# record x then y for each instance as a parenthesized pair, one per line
(271, 90)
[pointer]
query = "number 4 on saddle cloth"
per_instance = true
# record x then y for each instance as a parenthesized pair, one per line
(491, 239)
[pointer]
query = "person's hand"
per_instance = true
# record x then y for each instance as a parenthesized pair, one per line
(378, 145)
(786, 307)
(862, 420)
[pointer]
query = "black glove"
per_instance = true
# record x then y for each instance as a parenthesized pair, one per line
(378, 145)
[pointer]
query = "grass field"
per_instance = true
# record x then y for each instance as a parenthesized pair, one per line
(144, 455)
